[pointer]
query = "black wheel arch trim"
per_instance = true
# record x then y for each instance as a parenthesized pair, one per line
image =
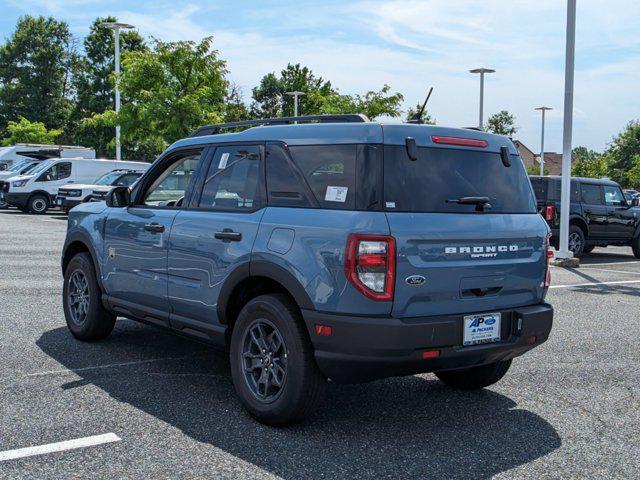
(261, 268)
(581, 222)
(83, 238)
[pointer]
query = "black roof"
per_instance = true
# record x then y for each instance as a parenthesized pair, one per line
(593, 181)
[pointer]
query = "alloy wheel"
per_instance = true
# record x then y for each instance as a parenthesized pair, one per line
(264, 360)
(575, 242)
(78, 297)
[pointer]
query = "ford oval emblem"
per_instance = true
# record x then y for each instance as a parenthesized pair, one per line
(415, 280)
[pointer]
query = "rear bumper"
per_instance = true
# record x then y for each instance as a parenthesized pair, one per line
(17, 199)
(367, 348)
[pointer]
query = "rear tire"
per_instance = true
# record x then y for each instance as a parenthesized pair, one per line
(270, 346)
(588, 249)
(476, 377)
(86, 317)
(576, 240)
(38, 204)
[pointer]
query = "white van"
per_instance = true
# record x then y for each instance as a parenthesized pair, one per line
(36, 191)
(20, 168)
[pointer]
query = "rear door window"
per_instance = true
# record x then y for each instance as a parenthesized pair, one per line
(330, 171)
(233, 180)
(591, 194)
(442, 175)
(286, 186)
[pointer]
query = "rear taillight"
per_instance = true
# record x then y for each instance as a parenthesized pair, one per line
(370, 265)
(550, 213)
(547, 275)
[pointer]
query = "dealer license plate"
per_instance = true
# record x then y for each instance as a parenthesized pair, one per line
(482, 328)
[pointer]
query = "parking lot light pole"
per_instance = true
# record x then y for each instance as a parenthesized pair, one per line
(543, 110)
(481, 71)
(116, 27)
(295, 95)
(564, 252)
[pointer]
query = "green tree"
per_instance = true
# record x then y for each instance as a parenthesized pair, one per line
(426, 117)
(170, 91)
(622, 151)
(35, 72)
(372, 104)
(93, 86)
(24, 131)
(502, 123)
(535, 169)
(270, 97)
(235, 108)
(589, 163)
(633, 174)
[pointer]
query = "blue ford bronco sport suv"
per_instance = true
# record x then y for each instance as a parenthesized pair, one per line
(323, 247)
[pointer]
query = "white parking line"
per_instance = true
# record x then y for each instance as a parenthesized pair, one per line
(59, 446)
(594, 284)
(608, 270)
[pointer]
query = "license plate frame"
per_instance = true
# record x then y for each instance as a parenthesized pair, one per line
(481, 328)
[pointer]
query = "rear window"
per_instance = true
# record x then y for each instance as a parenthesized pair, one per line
(442, 174)
(550, 189)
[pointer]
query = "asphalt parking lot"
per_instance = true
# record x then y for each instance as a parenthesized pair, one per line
(568, 409)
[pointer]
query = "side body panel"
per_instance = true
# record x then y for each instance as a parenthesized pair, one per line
(199, 263)
(135, 259)
(310, 244)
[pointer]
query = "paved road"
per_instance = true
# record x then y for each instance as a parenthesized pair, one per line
(569, 409)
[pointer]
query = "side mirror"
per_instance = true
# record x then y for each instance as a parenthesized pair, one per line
(118, 197)
(635, 201)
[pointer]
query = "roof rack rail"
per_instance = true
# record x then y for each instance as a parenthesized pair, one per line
(345, 118)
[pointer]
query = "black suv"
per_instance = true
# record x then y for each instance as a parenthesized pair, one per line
(599, 216)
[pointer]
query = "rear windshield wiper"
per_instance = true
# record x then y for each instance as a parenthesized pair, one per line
(480, 202)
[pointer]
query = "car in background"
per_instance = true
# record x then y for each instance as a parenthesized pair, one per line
(36, 191)
(72, 194)
(20, 168)
(629, 195)
(599, 214)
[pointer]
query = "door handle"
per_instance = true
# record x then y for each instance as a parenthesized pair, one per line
(154, 227)
(228, 234)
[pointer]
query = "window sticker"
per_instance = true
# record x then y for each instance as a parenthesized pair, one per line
(223, 161)
(390, 204)
(336, 194)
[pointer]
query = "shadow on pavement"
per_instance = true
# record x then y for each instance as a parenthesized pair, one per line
(602, 256)
(399, 428)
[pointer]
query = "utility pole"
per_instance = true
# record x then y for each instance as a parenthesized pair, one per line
(481, 71)
(116, 27)
(543, 110)
(295, 95)
(564, 252)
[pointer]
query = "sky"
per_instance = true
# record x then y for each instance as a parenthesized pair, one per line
(411, 45)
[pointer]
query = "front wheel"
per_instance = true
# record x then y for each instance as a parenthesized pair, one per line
(588, 248)
(86, 317)
(475, 377)
(38, 204)
(272, 364)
